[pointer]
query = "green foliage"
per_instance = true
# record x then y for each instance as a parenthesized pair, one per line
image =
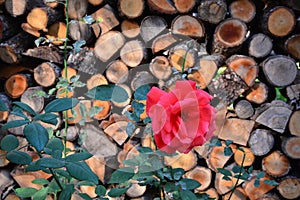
(78, 157)
(121, 175)
(279, 96)
(3, 107)
(9, 142)
(110, 92)
(15, 123)
(49, 118)
(116, 192)
(81, 171)
(61, 104)
(18, 157)
(141, 92)
(67, 192)
(25, 192)
(25, 107)
(36, 135)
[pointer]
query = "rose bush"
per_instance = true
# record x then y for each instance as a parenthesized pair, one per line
(182, 118)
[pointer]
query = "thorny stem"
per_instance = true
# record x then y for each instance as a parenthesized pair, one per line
(239, 176)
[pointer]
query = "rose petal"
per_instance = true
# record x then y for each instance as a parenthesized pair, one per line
(153, 97)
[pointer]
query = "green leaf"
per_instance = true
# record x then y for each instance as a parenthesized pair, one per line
(177, 173)
(9, 142)
(187, 195)
(41, 181)
(131, 162)
(100, 190)
(138, 107)
(260, 175)
(236, 169)
(67, 192)
(41, 194)
(61, 104)
(145, 150)
(226, 178)
(225, 172)
(271, 182)
(25, 107)
(141, 92)
(49, 118)
(170, 186)
(228, 142)
(116, 192)
(85, 196)
(228, 151)
(108, 92)
(3, 106)
(25, 192)
(54, 147)
(188, 184)
(279, 96)
(78, 157)
(50, 163)
(53, 187)
(121, 175)
(130, 128)
(85, 183)
(18, 157)
(256, 183)
(81, 171)
(36, 135)
(14, 123)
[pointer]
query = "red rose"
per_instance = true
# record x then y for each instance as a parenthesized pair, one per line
(182, 118)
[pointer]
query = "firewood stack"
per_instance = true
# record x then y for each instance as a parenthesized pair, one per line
(255, 42)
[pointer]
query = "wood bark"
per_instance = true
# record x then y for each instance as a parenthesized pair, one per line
(131, 8)
(184, 6)
(79, 30)
(261, 141)
(95, 2)
(15, 7)
(284, 65)
(152, 26)
(7, 102)
(212, 11)
(50, 54)
(244, 10)
(6, 30)
(56, 33)
(260, 45)
(279, 21)
(77, 8)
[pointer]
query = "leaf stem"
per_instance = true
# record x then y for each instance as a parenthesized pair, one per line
(239, 176)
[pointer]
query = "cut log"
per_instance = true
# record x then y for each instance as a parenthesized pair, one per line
(227, 87)
(212, 193)
(291, 147)
(5, 180)
(276, 164)
(11, 50)
(269, 196)
(136, 190)
(38, 19)
(68, 73)
(72, 133)
(133, 53)
(127, 101)
(181, 160)
(50, 54)
(29, 29)
(183, 56)
(77, 9)
(117, 72)
(289, 188)
(95, 2)
(31, 98)
(201, 174)
(162, 6)
(245, 67)
(160, 67)
(274, 115)
(141, 78)
(6, 30)
(95, 137)
(184, 6)
(292, 46)
(85, 61)
(258, 93)
(261, 142)
(228, 36)
(152, 26)
(112, 42)
(106, 109)
(46, 74)
(16, 85)
(224, 186)
(280, 70)
(130, 29)
(79, 30)
(212, 11)
(279, 21)
(16, 130)
(53, 127)
(244, 10)
(97, 165)
(260, 45)
(294, 125)
(238, 194)
(7, 102)
(254, 192)
(162, 42)
(242, 152)
(244, 109)
(80, 113)
(293, 91)
(188, 25)
(208, 66)
(89, 190)
(57, 33)
(3, 162)
(51, 4)
(237, 130)
(95, 80)
(16, 7)
(108, 20)
(131, 8)
(217, 158)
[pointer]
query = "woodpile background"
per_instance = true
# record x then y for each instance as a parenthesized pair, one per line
(139, 42)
